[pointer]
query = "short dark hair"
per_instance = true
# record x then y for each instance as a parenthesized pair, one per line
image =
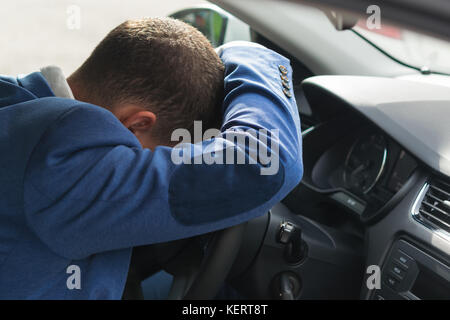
(163, 64)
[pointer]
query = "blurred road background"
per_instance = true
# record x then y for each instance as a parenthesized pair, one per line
(36, 33)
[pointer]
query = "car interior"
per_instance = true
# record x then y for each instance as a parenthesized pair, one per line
(370, 219)
(374, 201)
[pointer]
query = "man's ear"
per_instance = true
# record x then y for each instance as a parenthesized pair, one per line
(139, 121)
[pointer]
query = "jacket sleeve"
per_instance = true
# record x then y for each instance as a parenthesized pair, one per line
(89, 187)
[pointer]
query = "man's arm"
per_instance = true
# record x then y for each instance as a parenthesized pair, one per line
(90, 187)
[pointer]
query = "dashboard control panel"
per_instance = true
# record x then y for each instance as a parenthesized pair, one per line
(410, 273)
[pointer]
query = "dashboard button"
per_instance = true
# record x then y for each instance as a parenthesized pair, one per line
(349, 202)
(403, 259)
(391, 282)
(398, 271)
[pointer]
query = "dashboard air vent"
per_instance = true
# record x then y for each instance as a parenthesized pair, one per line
(435, 205)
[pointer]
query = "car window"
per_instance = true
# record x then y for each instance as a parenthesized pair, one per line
(209, 22)
(37, 33)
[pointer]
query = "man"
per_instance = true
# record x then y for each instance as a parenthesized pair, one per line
(84, 181)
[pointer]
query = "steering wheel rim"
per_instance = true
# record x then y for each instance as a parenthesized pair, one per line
(203, 282)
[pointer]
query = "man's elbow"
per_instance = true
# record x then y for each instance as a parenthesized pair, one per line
(293, 174)
(292, 155)
(275, 181)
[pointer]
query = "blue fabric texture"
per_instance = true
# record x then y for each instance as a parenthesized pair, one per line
(157, 287)
(76, 187)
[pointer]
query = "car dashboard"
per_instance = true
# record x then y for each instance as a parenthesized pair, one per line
(359, 167)
(371, 171)
(373, 200)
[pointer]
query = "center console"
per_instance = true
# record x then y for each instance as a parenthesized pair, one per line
(411, 273)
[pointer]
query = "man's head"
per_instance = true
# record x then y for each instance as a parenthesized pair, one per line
(155, 75)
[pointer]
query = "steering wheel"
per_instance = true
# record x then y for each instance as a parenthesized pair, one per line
(203, 272)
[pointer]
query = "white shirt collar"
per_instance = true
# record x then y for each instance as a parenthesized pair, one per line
(57, 81)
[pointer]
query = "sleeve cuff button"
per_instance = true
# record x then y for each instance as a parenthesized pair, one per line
(283, 69)
(287, 93)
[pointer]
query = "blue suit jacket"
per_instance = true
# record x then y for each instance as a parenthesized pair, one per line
(76, 187)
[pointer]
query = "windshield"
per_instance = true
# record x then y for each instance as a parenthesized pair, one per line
(412, 48)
